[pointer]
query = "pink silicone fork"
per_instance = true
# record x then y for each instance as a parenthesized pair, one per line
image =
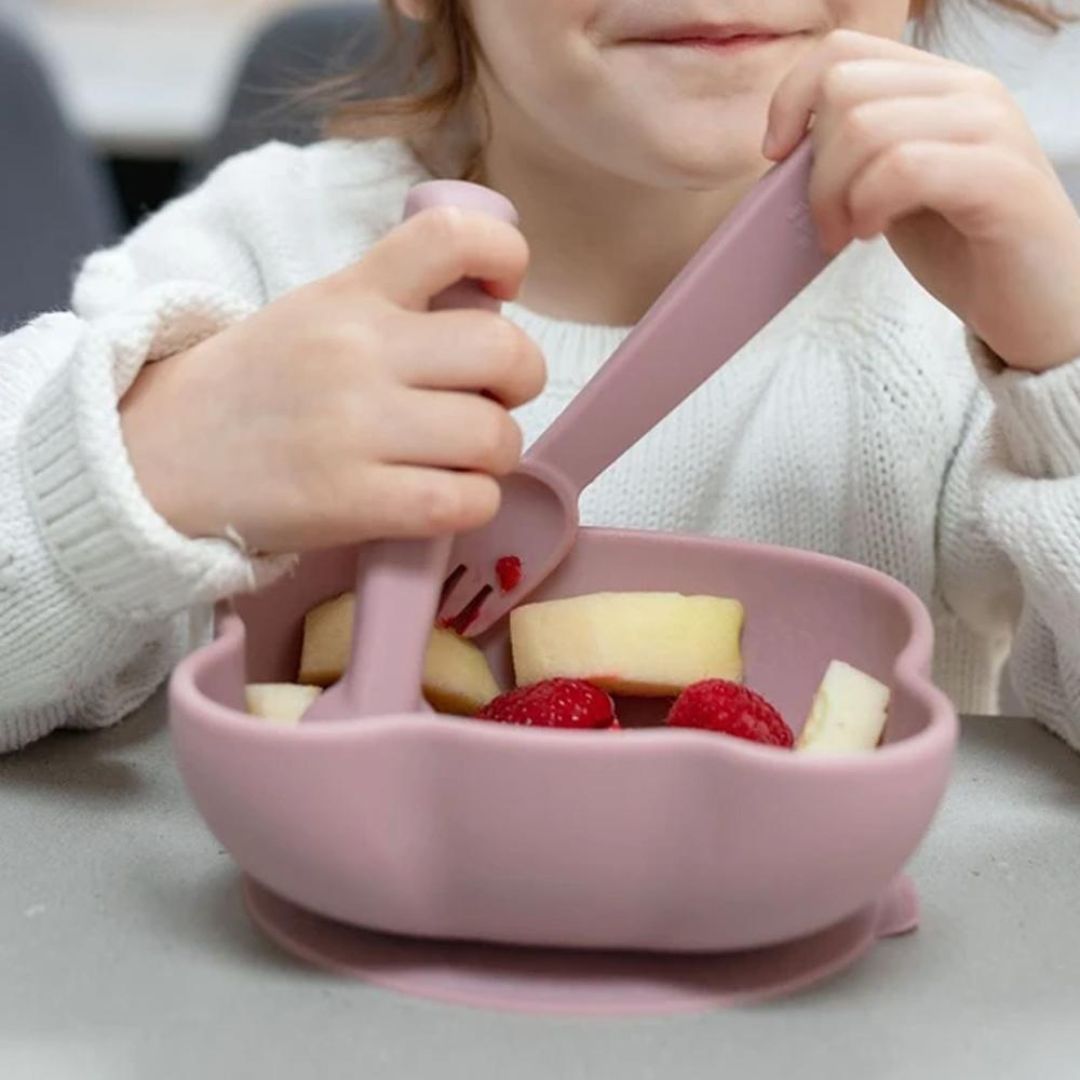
(398, 581)
(763, 255)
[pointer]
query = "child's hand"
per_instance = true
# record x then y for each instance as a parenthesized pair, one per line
(938, 157)
(346, 410)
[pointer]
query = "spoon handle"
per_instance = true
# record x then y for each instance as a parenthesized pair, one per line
(756, 262)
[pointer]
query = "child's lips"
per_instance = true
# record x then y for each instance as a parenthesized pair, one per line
(722, 39)
(742, 41)
(727, 44)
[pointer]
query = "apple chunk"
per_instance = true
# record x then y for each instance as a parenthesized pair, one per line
(646, 644)
(457, 678)
(327, 638)
(280, 703)
(848, 713)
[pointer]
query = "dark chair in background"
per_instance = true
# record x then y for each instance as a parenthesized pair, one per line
(292, 53)
(55, 202)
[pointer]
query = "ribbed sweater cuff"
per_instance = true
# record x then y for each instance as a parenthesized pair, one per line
(1039, 414)
(93, 516)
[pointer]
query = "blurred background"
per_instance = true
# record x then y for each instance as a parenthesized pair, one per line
(108, 108)
(149, 84)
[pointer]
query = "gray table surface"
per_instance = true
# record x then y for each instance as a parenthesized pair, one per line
(124, 951)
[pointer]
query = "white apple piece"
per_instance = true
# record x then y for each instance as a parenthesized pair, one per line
(645, 644)
(848, 714)
(327, 637)
(457, 678)
(280, 703)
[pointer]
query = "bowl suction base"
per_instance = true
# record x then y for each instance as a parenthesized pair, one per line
(570, 982)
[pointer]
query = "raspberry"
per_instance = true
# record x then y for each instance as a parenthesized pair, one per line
(561, 703)
(508, 571)
(727, 707)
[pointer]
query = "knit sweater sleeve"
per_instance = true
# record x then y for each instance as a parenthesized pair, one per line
(1010, 532)
(99, 596)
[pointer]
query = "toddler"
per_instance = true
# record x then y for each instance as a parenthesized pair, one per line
(254, 373)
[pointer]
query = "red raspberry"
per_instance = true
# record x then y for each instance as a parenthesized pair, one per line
(727, 707)
(561, 703)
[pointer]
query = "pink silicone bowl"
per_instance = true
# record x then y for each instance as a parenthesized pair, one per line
(656, 839)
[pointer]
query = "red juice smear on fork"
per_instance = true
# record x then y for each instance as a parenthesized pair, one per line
(461, 622)
(508, 571)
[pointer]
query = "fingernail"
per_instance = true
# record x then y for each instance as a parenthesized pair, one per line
(768, 147)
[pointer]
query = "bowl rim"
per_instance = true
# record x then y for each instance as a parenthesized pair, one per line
(939, 735)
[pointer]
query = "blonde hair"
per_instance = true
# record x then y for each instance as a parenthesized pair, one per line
(442, 60)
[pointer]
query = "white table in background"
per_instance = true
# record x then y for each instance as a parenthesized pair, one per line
(144, 79)
(125, 954)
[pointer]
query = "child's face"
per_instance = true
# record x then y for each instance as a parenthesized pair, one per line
(592, 82)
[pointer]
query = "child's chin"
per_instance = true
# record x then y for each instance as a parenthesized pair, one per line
(701, 165)
(702, 150)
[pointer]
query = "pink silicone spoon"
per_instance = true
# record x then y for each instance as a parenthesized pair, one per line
(398, 581)
(762, 256)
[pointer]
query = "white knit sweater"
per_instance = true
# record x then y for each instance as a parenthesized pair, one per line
(855, 424)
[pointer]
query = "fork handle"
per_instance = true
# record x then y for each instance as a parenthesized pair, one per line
(398, 582)
(756, 262)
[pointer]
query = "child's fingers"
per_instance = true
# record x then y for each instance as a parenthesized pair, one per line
(407, 502)
(449, 430)
(847, 143)
(796, 99)
(850, 83)
(967, 184)
(386, 502)
(437, 248)
(469, 350)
